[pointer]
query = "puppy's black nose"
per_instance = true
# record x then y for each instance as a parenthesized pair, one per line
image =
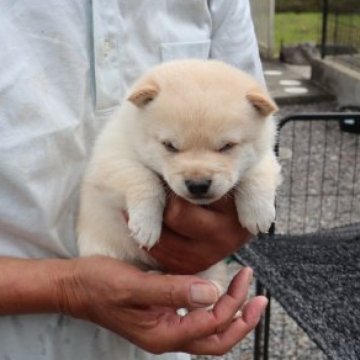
(198, 187)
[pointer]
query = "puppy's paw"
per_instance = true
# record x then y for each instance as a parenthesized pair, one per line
(145, 226)
(255, 217)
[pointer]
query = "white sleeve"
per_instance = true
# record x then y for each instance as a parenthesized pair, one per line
(233, 36)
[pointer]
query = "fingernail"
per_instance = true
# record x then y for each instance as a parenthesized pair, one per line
(262, 312)
(266, 301)
(203, 294)
(250, 276)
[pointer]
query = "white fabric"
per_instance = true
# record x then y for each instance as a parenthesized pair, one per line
(63, 66)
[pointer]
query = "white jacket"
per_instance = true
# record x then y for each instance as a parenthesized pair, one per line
(63, 66)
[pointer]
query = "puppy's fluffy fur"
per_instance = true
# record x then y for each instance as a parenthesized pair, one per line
(203, 127)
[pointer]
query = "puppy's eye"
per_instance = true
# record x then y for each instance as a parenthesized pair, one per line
(170, 147)
(227, 147)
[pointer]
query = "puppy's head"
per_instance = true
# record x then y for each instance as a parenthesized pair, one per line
(200, 125)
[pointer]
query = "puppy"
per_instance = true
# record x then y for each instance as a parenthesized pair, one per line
(203, 127)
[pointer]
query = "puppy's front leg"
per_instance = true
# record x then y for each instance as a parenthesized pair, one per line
(138, 190)
(255, 195)
(145, 202)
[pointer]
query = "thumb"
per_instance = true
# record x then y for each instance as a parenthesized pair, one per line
(176, 291)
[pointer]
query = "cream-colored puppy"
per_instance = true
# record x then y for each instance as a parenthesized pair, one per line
(203, 127)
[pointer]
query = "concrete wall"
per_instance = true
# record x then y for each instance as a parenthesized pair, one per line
(263, 13)
(338, 79)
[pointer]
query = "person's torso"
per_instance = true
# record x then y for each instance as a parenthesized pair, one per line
(64, 66)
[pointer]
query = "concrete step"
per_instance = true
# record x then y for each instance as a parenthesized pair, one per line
(292, 85)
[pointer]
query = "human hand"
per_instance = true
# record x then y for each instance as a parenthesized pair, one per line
(196, 237)
(141, 307)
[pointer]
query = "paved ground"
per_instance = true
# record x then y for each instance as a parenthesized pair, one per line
(291, 84)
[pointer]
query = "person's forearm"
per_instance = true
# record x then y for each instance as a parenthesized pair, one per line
(32, 286)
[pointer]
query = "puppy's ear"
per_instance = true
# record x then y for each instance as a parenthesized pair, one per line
(261, 102)
(144, 94)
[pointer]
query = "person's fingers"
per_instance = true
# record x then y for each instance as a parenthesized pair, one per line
(173, 291)
(200, 222)
(197, 332)
(225, 205)
(200, 323)
(173, 248)
(234, 298)
(253, 310)
(218, 344)
(198, 326)
(178, 254)
(187, 219)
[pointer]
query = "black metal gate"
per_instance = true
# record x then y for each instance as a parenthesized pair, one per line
(341, 32)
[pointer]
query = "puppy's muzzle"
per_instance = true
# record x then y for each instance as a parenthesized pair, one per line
(198, 188)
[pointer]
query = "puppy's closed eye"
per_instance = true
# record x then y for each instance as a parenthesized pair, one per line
(226, 147)
(169, 146)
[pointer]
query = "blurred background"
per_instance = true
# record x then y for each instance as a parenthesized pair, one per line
(310, 51)
(321, 34)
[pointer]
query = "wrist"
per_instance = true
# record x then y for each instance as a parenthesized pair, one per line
(63, 280)
(34, 286)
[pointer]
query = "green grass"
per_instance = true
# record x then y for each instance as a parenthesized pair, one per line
(295, 28)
